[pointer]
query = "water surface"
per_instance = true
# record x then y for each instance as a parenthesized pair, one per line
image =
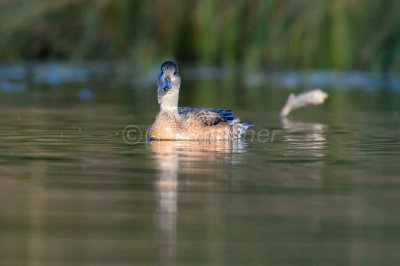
(321, 188)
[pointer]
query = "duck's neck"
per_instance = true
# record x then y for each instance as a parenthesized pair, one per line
(169, 109)
(171, 112)
(169, 101)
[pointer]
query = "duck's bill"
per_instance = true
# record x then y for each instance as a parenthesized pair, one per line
(167, 84)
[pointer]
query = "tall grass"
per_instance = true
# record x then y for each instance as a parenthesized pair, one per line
(275, 34)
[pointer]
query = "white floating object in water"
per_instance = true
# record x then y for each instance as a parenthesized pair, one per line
(313, 97)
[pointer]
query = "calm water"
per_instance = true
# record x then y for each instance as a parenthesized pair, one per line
(322, 188)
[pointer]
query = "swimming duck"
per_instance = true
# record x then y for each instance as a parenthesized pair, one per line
(187, 123)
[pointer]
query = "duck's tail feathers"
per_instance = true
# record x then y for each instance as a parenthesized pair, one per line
(239, 128)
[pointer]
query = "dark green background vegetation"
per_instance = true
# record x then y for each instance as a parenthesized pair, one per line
(275, 34)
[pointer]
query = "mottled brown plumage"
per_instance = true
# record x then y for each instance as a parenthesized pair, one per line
(199, 124)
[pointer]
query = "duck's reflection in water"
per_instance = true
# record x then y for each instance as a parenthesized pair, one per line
(172, 158)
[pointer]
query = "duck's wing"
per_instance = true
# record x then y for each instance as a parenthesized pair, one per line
(207, 116)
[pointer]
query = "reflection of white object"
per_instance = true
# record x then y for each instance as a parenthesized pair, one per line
(313, 97)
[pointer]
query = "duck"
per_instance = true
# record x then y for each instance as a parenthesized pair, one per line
(190, 123)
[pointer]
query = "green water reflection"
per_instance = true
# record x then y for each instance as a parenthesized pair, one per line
(325, 191)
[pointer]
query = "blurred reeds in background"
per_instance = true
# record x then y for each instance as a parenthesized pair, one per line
(275, 34)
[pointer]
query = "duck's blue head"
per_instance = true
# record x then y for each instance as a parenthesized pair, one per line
(168, 77)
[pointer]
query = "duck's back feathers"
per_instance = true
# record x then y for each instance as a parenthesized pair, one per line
(207, 116)
(215, 118)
